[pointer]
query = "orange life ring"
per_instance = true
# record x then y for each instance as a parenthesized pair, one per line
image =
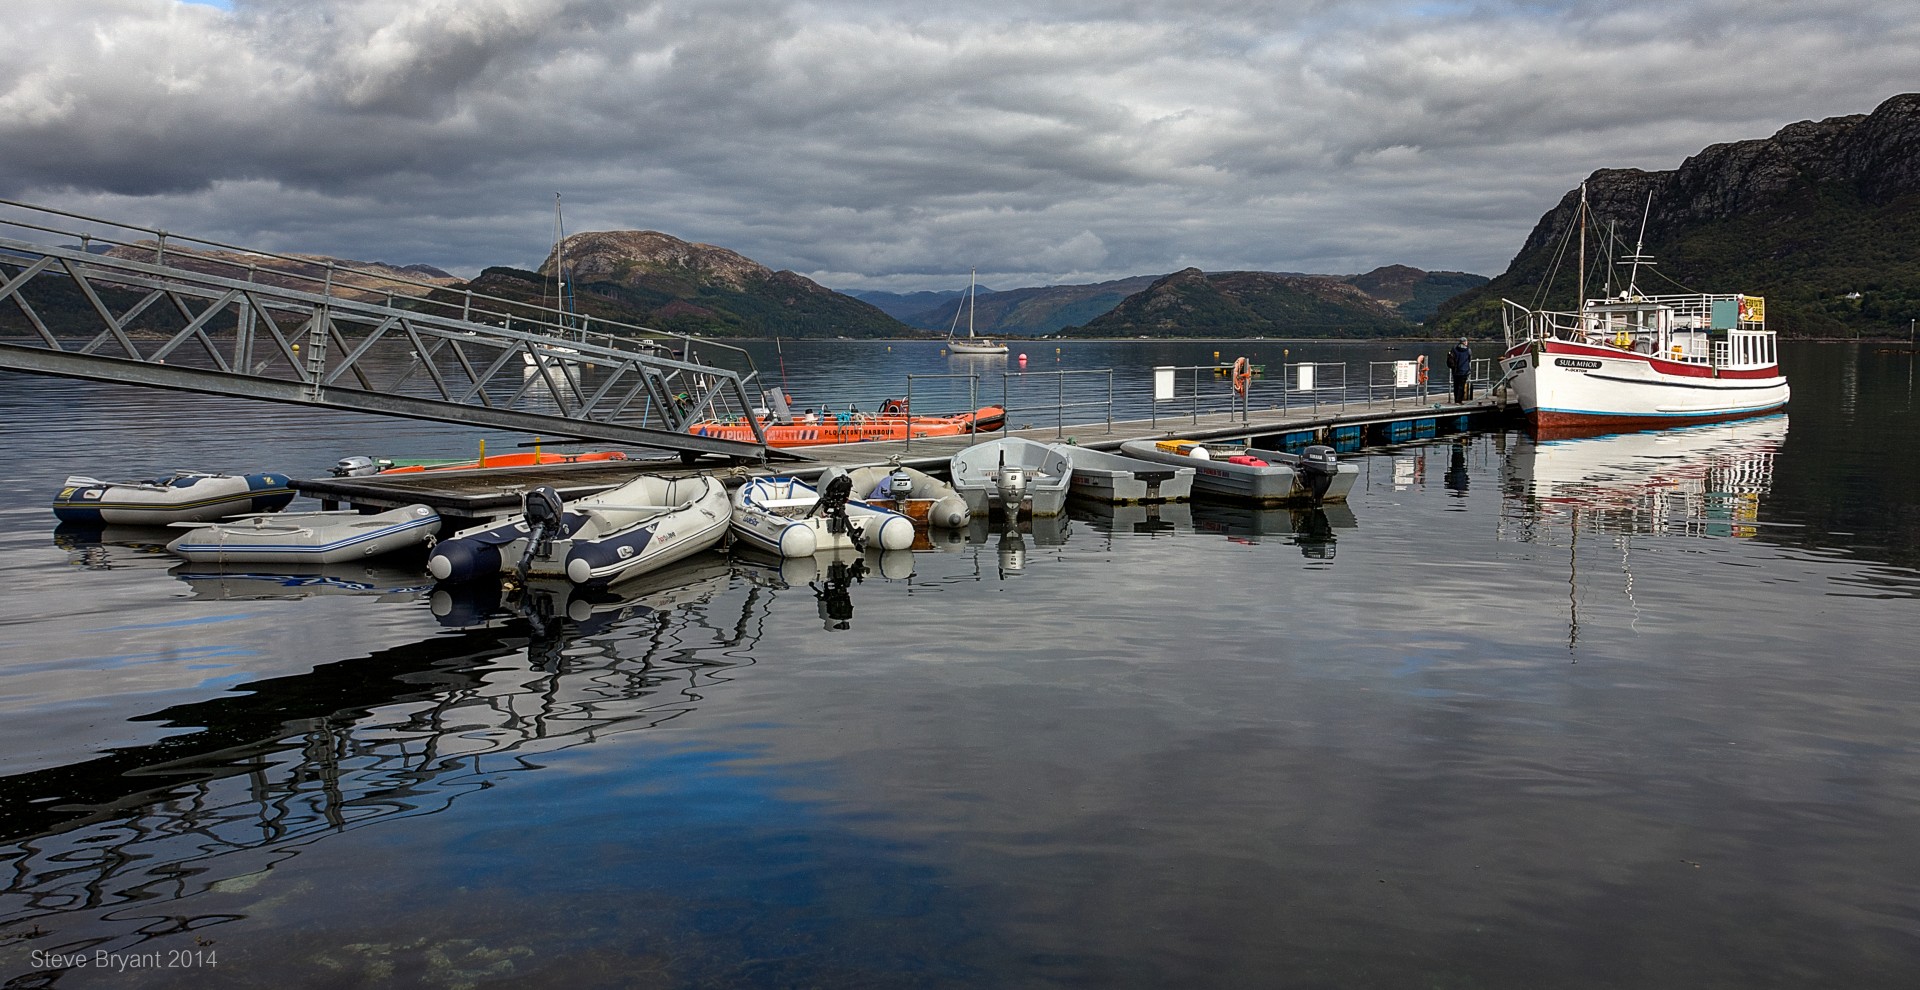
(1420, 365)
(893, 407)
(1242, 374)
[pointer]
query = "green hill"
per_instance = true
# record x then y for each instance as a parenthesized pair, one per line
(1193, 303)
(1822, 219)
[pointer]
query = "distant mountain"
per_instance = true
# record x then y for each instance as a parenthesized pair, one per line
(1385, 302)
(1032, 311)
(902, 306)
(651, 279)
(1822, 219)
(367, 281)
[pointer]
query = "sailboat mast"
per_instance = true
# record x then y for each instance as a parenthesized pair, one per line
(972, 276)
(1581, 283)
(559, 261)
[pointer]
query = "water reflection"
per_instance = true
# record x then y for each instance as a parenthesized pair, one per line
(249, 778)
(284, 581)
(1701, 480)
(831, 575)
(1160, 519)
(1311, 528)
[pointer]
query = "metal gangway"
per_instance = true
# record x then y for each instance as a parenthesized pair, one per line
(84, 297)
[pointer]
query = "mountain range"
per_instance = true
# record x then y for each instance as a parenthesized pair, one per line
(1822, 220)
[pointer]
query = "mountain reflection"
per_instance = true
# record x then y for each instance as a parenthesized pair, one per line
(399, 732)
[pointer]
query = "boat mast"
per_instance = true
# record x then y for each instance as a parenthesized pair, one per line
(1581, 282)
(972, 276)
(1633, 273)
(559, 262)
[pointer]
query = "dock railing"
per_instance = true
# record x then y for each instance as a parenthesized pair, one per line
(1029, 387)
(973, 396)
(1310, 383)
(1166, 388)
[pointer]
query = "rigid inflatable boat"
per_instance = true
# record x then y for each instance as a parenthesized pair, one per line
(184, 496)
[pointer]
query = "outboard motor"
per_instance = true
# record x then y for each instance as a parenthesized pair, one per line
(1318, 466)
(836, 488)
(899, 484)
(833, 597)
(1011, 482)
(546, 516)
(357, 466)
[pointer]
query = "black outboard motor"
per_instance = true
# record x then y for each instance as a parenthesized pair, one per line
(833, 504)
(546, 516)
(1318, 466)
(833, 597)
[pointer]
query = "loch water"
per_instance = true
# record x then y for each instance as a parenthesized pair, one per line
(1628, 711)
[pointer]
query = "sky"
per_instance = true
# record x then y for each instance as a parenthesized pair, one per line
(897, 145)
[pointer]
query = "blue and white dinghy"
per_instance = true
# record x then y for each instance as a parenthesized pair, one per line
(640, 526)
(184, 496)
(794, 519)
(306, 537)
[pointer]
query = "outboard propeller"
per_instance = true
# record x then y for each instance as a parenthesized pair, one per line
(838, 487)
(545, 514)
(1318, 466)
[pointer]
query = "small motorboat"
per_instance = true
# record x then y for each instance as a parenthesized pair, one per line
(912, 492)
(360, 466)
(794, 519)
(1239, 471)
(640, 526)
(1122, 480)
(184, 496)
(894, 421)
(331, 537)
(1020, 476)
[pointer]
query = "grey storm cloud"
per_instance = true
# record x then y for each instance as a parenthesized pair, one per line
(890, 145)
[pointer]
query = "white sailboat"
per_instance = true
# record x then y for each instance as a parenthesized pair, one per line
(556, 355)
(971, 344)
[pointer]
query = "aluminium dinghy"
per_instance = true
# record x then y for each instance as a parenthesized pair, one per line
(640, 526)
(1019, 476)
(1122, 480)
(331, 537)
(1266, 476)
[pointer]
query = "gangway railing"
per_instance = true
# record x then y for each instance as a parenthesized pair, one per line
(1031, 383)
(141, 306)
(973, 396)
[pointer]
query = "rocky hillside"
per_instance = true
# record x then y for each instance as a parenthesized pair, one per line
(1822, 218)
(662, 282)
(1193, 303)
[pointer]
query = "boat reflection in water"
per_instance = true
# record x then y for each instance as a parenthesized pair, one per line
(1702, 480)
(250, 777)
(829, 574)
(97, 546)
(1311, 528)
(1009, 539)
(1158, 519)
(284, 581)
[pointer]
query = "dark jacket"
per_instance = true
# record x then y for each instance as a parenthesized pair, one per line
(1460, 360)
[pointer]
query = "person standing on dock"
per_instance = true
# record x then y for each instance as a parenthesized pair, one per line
(1460, 363)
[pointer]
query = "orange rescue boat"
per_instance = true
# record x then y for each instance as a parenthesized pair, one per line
(892, 422)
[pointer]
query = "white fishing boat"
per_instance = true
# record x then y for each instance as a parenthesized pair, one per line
(183, 496)
(792, 518)
(912, 492)
(306, 537)
(971, 344)
(1239, 471)
(1630, 360)
(1116, 478)
(640, 526)
(1016, 475)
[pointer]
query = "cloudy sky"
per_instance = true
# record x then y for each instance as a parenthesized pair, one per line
(892, 145)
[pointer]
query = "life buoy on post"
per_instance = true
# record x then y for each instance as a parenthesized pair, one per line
(1242, 375)
(1420, 368)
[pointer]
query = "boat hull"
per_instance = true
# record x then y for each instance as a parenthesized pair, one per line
(636, 528)
(772, 514)
(1565, 385)
(1279, 481)
(308, 537)
(858, 429)
(1049, 476)
(930, 502)
(183, 497)
(1122, 480)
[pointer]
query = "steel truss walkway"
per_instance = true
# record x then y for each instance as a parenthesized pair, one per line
(248, 324)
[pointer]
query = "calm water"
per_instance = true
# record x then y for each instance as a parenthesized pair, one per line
(1622, 712)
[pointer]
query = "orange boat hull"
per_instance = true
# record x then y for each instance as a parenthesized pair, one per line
(858, 429)
(512, 460)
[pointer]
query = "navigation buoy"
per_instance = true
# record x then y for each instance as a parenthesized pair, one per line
(1023, 360)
